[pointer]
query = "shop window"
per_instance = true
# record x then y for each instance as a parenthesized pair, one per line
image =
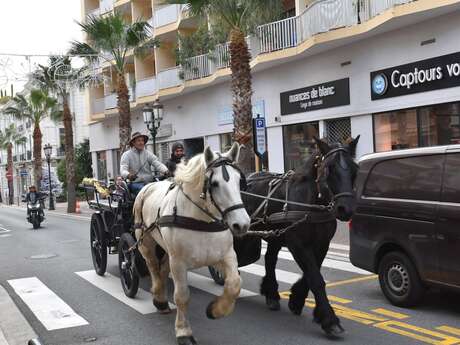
(338, 130)
(416, 178)
(395, 130)
(440, 124)
(298, 143)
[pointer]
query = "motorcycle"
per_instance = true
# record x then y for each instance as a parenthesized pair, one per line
(35, 212)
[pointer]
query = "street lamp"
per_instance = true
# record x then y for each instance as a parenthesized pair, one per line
(152, 119)
(48, 150)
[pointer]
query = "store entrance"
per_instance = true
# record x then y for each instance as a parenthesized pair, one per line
(193, 146)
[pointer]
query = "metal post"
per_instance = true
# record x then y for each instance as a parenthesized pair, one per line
(153, 133)
(51, 206)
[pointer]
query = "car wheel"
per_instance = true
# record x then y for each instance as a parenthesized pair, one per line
(399, 280)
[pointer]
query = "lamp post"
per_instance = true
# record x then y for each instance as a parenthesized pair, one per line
(48, 150)
(152, 119)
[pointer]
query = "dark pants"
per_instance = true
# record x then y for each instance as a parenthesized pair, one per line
(136, 187)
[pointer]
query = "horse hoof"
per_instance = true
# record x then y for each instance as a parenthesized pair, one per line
(272, 304)
(334, 331)
(294, 308)
(163, 307)
(209, 311)
(186, 340)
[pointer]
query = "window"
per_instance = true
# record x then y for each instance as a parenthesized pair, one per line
(395, 130)
(101, 165)
(298, 143)
(225, 141)
(451, 184)
(416, 178)
(425, 126)
(338, 130)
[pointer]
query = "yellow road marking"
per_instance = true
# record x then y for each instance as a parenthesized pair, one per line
(407, 330)
(448, 329)
(390, 313)
(350, 281)
(339, 299)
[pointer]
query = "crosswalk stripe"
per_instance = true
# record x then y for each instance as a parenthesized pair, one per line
(49, 308)
(112, 285)
(281, 275)
(331, 263)
(207, 284)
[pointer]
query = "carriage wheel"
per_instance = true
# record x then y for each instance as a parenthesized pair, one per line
(218, 276)
(98, 243)
(126, 263)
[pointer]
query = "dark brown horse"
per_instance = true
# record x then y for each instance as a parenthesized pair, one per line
(324, 179)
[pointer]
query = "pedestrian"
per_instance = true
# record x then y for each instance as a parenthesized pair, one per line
(138, 164)
(177, 154)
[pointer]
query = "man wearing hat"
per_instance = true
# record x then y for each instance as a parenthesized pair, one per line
(136, 163)
(177, 153)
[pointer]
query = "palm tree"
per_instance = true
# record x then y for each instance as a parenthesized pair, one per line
(111, 36)
(240, 17)
(35, 107)
(58, 78)
(8, 138)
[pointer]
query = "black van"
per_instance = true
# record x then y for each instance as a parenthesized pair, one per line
(406, 226)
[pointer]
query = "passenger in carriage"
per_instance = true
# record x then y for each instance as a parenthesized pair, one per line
(136, 164)
(177, 153)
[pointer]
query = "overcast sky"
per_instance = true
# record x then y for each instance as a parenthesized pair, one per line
(34, 27)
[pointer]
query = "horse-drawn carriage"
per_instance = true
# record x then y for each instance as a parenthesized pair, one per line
(111, 232)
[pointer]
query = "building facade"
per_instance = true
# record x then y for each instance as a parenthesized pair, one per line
(385, 70)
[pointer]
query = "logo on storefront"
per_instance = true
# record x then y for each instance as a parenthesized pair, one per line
(380, 84)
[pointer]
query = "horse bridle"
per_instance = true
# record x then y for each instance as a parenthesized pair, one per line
(323, 173)
(207, 186)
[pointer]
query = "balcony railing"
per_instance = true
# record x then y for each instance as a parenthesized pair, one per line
(198, 67)
(166, 15)
(169, 78)
(146, 87)
(278, 35)
(222, 56)
(98, 105)
(105, 6)
(96, 12)
(110, 101)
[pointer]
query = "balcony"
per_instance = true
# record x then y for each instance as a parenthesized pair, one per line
(169, 78)
(94, 13)
(106, 6)
(110, 101)
(98, 105)
(60, 152)
(146, 87)
(166, 15)
(198, 67)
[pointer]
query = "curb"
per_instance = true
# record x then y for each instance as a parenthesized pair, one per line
(14, 328)
(56, 213)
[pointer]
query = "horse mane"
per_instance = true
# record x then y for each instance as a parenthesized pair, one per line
(191, 173)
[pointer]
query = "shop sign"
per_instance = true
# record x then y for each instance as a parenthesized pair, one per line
(326, 95)
(426, 75)
(165, 131)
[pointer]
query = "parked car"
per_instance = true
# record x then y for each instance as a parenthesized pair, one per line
(406, 226)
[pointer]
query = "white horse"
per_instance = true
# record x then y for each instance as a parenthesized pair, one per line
(207, 189)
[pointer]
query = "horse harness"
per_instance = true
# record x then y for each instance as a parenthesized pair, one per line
(314, 214)
(188, 223)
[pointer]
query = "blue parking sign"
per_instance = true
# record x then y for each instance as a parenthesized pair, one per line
(260, 136)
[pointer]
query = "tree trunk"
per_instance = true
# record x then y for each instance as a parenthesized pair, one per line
(242, 91)
(124, 112)
(69, 156)
(9, 161)
(37, 135)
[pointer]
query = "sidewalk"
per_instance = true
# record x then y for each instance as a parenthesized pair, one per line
(14, 328)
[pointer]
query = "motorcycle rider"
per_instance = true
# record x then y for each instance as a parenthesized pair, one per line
(177, 153)
(136, 163)
(32, 196)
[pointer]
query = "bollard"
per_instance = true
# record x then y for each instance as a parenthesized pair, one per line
(35, 341)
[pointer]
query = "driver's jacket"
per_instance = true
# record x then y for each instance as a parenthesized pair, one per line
(140, 163)
(32, 197)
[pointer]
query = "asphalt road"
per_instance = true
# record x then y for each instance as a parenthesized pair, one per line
(97, 312)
